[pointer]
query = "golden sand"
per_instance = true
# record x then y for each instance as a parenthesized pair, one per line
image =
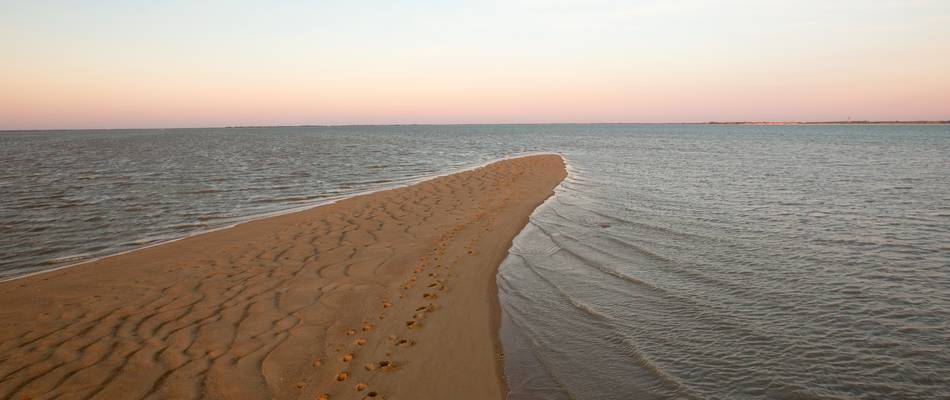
(386, 295)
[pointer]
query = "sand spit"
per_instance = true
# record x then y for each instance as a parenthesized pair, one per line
(388, 295)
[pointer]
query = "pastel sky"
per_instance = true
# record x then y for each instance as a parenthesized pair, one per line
(109, 64)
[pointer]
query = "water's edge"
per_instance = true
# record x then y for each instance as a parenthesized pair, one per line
(250, 218)
(499, 315)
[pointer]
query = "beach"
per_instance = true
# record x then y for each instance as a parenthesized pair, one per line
(384, 295)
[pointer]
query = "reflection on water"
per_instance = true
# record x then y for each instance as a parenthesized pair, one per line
(676, 261)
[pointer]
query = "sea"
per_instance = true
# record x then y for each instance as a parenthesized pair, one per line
(676, 261)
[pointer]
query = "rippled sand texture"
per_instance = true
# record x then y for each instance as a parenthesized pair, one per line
(387, 295)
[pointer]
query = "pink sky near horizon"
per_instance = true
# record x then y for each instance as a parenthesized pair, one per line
(529, 63)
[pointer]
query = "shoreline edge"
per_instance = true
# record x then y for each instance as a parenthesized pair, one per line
(377, 295)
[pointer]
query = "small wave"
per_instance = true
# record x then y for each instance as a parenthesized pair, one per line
(206, 191)
(603, 323)
(577, 304)
(610, 271)
(538, 352)
(67, 259)
(289, 199)
(70, 204)
(639, 249)
(375, 182)
(592, 263)
(188, 226)
(36, 206)
(521, 248)
(535, 251)
(601, 220)
(208, 217)
(645, 362)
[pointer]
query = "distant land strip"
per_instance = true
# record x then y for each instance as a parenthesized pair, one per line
(862, 122)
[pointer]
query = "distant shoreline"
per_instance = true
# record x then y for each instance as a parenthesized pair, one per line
(827, 122)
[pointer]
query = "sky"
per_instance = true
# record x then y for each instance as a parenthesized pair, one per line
(146, 64)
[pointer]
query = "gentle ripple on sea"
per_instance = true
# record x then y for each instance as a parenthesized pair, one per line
(75, 195)
(676, 261)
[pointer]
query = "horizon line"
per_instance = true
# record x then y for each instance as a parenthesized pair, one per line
(758, 123)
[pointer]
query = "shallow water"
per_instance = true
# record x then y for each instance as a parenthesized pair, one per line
(737, 262)
(676, 261)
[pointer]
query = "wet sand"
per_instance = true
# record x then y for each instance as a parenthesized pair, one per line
(386, 295)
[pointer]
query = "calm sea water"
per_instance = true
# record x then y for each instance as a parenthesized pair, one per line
(676, 261)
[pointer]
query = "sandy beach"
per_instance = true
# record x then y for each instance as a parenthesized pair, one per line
(386, 295)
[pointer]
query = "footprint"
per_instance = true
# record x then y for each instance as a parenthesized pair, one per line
(360, 387)
(360, 341)
(350, 332)
(323, 396)
(404, 343)
(342, 376)
(347, 358)
(412, 324)
(387, 366)
(367, 326)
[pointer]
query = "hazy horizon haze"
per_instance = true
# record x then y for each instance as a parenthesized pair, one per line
(111, 64)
